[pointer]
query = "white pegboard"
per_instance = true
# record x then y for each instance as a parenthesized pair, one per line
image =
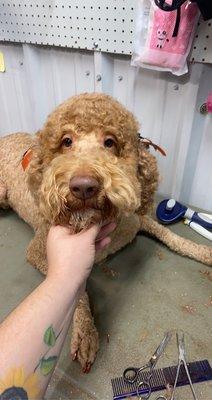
(202, 46)
(106, 25)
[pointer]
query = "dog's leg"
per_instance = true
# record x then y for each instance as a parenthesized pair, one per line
(85, 338)
(3, 195)
(36, 251)
(177, 243)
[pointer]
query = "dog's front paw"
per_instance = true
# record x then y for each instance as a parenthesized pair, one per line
(84, 343)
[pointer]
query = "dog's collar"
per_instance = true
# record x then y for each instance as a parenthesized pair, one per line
(27, 156)
(148, 143)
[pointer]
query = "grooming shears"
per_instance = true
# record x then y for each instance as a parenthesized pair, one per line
(131, 374)
(182, 359)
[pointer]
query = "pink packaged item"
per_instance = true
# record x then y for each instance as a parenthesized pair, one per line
(164, 38)
(209, 103)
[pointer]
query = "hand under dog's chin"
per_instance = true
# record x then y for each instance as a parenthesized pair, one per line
(83, 219)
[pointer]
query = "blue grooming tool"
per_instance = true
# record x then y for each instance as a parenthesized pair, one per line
(170, 211)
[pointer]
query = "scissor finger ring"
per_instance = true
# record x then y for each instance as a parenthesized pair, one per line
(130, 375)
(144, 396)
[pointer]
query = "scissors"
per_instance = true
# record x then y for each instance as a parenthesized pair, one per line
(131, 374)
(182, 359)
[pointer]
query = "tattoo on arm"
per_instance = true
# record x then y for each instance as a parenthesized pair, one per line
(17, 385)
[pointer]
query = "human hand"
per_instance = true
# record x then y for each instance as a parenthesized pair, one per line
(71, 256)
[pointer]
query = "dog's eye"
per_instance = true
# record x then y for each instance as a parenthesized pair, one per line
(67, 142)
(109, 143)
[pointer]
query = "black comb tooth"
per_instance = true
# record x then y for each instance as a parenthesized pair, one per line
(121, 386)
(155, 381)
(161, 377)
(200, 371)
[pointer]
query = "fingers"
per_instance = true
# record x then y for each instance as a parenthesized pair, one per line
(100, 245)
(92, 231)
(95, 232)
(61, 230)
(105, 231)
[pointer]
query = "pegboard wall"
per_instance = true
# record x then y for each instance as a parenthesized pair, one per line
(202, 46)
(105, 25)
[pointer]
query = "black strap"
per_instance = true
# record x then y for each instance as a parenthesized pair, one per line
(169, 7)
(177, 22)
(175, 6)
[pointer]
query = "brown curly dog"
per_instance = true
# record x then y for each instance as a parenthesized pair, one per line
(87, 164)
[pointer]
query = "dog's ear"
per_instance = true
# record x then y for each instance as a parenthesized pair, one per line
(148, 177)
(34, 170)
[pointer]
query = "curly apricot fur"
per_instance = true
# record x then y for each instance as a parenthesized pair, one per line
(127, 176)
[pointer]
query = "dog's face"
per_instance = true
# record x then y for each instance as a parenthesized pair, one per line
(86, 165)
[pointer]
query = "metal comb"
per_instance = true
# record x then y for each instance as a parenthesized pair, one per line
(200, 371)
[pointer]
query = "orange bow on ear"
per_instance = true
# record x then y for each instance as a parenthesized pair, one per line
(26, 158)
(148, 143)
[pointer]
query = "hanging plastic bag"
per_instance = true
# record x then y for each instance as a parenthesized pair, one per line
(164, 38)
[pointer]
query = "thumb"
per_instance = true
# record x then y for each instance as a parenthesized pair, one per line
(92, 232)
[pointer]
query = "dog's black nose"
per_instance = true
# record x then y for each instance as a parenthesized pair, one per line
(84, 187)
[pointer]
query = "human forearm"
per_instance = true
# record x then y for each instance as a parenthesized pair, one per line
(32, 336)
